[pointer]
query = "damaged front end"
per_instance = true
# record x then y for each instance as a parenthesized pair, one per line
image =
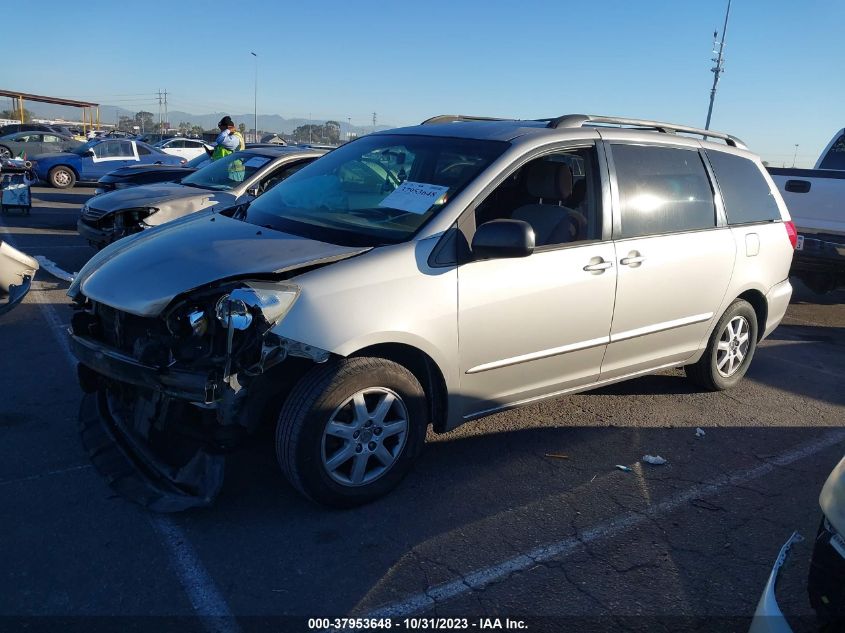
(168, 396)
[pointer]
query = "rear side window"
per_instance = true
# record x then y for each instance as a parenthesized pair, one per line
(835, 158)
(662, 190)
(745, 192)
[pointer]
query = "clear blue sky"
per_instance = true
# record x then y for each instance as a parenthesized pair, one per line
(784, 81)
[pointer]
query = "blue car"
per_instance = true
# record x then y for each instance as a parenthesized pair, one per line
(94, 159)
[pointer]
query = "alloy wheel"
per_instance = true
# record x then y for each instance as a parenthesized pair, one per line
(364, 436)
(733, 346)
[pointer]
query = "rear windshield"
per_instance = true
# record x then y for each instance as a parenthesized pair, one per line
(835, 158)
(379, 189)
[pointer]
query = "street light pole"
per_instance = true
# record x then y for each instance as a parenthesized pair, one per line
(255, 101)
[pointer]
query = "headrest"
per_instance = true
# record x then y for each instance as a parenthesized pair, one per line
(549, 180)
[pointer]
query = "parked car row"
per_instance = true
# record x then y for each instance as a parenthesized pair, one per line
(94, 159)
(235, 179)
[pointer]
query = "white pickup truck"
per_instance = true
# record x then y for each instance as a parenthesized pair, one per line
(816, 202)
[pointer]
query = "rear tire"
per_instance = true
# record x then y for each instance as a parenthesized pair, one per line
(62, 177)
(729, 351)
(350, 430)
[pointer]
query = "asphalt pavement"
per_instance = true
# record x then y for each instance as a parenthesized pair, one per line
(521, 515)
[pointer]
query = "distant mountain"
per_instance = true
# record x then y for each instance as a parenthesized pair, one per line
(266, 122)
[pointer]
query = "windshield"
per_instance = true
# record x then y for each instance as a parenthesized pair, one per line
(835, 158)
(200, 161)
(228, 172)
(379, 189)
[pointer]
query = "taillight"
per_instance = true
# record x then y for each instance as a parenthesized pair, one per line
(791, 233)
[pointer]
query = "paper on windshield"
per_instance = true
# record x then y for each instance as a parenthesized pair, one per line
(256, 161)
(414, 197)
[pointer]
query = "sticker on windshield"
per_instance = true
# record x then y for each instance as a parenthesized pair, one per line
(414, 197)
(257, 161)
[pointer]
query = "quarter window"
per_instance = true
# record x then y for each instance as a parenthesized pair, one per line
(745, 192)
(662, 190)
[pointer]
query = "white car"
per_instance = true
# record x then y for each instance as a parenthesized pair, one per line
(187, 148)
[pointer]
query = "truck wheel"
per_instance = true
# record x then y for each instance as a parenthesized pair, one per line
(62, 177)
(349, 431)
(5, 152)
(729, 351)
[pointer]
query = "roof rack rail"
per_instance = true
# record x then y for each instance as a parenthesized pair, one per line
(450, 118)
(579, 120)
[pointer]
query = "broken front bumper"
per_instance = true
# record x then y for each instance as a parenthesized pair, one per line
(16, 272)
(120, 439)
(768, 617)
(124, 458)
(190, 386)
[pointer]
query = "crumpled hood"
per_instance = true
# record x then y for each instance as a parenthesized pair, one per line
(832, 498)
(150, 196)
(143, 273)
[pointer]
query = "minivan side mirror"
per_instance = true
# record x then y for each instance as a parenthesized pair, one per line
(89, 152)
(253, 191)
(499, 239)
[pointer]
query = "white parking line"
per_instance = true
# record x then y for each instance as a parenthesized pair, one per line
(615, 526)
(206, 600)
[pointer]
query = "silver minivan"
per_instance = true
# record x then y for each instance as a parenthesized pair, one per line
(423, 276)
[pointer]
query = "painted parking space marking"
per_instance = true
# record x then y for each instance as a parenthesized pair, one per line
(609, 529)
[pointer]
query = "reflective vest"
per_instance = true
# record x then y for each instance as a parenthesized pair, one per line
(220, 151)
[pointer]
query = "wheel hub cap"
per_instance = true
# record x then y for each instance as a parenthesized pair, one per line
(364, 436)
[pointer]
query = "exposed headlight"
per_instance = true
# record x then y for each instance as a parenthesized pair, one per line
(187, 324)
(272, 300)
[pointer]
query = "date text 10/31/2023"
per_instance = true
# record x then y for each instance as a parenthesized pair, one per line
(417, 624)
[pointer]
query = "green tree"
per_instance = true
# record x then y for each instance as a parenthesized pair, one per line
(126, 123)
(144, 120)
(15, 115)
(241, 128)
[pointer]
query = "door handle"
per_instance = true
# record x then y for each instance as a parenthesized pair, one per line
(632, 261)
(798, 186)
(598, 266)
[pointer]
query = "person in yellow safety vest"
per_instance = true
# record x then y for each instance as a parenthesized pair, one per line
(229, 140)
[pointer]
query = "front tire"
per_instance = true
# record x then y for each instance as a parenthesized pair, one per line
(62, 177)
(350, 430)
(729, 351)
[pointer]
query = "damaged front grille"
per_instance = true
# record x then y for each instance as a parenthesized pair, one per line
(92, 214)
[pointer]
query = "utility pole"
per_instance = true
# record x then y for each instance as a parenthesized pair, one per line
(159, 110)
(374, 121)
(348, 128)
(719, 68)
(166, 122)
(795, 155)
(255, 99)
